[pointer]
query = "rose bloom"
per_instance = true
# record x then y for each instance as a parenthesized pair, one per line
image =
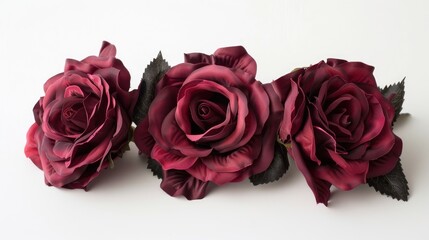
(210, 121)
(337, 125)
(83, 121)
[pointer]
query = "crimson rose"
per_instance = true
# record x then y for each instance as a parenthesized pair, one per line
(83, 121)
(337, 125)
(210, 121)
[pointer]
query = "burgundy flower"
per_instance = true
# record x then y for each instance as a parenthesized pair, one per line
(83, 121)
(338, 125)
(210, 121)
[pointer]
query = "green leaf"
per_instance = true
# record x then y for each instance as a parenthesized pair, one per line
(155, 167)
(393, 184)
(395, 94)
(277, 168)
(151, 76)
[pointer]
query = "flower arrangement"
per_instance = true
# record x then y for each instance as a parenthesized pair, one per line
(209, 121)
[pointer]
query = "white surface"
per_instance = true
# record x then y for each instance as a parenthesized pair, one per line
(127, 203)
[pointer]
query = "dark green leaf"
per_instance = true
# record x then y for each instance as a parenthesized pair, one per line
(393, 184)
(395, 94)
(154, 167)
(151, 76)
(277, 168)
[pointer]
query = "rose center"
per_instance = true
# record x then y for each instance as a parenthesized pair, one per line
(73, 117)
(345, 120)
(340, 117)
(204, 111)
(339, 121)
(69, 112)
(207, 113)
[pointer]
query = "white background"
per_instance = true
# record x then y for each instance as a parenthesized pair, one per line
(127, 203)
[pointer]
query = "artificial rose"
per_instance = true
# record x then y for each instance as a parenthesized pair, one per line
(83, 121)
(337, 125)
(210, 121)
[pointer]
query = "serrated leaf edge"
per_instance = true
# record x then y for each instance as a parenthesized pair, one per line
(386, 194)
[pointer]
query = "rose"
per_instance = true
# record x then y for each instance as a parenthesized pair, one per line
(210, 121)
(337, 125)
(83, 121)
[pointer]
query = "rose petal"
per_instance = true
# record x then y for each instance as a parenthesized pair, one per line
(122, 129)
(319, 187)
(251, 127)
(176, 139)
(339, 177)
(315, 76)
(357, 153)
(294, 109)
(213, 73)
(106, 58)
(62, 149)
(374, 122)
(38, 112)
(357, 72)
(387, 107)
(93, 147)
(380, 145)
(176, 75)
(176, 183)
(52, 80)
(345, 174)
(235, 57)
(206, 113)
(161, 106)
(349, 166)
(89, 174)
(335, 62)
(236, 160)
(340, 131)
(73, 91)
(385, 164)
(230, 142)
(205, 174)
(171, 161)
(143, 139)
(120, 85)
(359, 107)
(98, 62)
(325, 140)
(52, 125)
(31, 149)
(74, 118)
(306, 139)
(91, 105)
(197, 58)
(344, 99)
(198, 91)
(290, 104)
(259, 103)
(81, 66)
(282, 86)
(356, 136)
(107, 50)
(56, 173)
(269, 136)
